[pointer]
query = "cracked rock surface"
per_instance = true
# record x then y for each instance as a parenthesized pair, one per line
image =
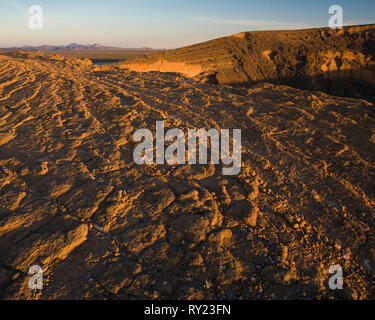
(73, 201)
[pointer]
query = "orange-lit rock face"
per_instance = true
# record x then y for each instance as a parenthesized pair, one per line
(190, 70)
(348, 65)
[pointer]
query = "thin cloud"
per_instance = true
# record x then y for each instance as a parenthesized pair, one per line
(258, 24)
(357, 22)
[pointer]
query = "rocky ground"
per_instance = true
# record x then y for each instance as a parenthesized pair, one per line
(73, 201)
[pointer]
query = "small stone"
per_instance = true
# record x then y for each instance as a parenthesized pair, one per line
(253, 194)
(193, 196)
(220, 236)
(251, 217)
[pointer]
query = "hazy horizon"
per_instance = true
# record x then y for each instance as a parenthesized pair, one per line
(74, 43)
(164, 24)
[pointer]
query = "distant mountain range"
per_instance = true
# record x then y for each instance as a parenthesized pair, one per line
(73, 46)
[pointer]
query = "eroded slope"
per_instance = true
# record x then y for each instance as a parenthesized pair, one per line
(339, 62)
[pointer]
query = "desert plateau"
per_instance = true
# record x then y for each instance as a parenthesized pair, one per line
(73, 200)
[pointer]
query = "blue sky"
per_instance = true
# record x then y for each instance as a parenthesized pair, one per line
(164, 23)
